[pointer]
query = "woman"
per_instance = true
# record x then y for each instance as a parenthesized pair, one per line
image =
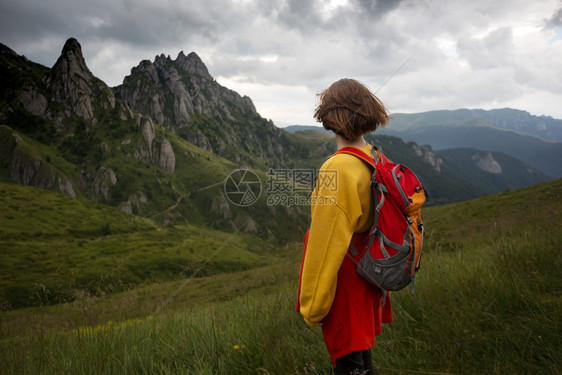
(331, 294)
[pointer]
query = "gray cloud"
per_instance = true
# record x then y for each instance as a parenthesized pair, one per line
(556, 19)
(377, 8)
(280, 53)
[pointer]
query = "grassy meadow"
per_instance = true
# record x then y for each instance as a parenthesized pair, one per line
(58, 249)
(487, 298)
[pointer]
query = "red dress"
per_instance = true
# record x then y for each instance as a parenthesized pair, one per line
(356, 314)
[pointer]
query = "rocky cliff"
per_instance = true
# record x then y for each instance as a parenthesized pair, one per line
(70, 109)
(70, 82)
(428, 155)
(171, 91)
(26, 165)
(182, 97)
(486, 162)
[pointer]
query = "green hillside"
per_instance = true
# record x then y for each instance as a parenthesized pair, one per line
(55, 249)
(487, 301)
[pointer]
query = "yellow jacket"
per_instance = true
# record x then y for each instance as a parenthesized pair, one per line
(341, 204)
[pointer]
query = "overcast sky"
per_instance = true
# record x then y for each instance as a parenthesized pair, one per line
(443, 54)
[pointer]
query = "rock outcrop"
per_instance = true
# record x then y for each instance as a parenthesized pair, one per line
(167, 158)
(72, 83)
(220, 207)
(65, 186)
(29, 167)
(105, 179)
(24, 168)
(148, 134)
(134, 202)
(33, 100)
(487, 163)
(427, 154)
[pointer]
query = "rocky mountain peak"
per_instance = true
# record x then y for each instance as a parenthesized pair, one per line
(71, 82)
(146, 67)
(71, 62)
(181, 96)
(173, 92)
(162, 60)
(72, 46)
(5, 50)
(192, 64)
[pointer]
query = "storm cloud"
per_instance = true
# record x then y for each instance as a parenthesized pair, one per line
(476, 54)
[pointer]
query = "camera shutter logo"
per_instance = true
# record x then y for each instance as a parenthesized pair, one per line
(242, 187)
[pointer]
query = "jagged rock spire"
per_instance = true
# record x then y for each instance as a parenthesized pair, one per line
(192, 64)
(70, 81)
(182, 97)
(71, 67)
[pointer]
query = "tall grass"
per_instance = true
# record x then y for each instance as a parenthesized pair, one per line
(471, 314)
(487, 301)
(257, 333)
(492, 309)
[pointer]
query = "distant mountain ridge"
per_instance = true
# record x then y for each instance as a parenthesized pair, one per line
(300, 128)
(518, 135)
(535, 140)
(544, 127)
(458, 174)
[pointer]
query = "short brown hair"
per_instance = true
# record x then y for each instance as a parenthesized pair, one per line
(349, 109)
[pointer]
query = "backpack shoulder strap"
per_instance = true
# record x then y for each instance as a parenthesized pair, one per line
(382, 160)
(362, 155)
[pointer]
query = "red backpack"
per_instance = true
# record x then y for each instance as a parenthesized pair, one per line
(389, 255)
